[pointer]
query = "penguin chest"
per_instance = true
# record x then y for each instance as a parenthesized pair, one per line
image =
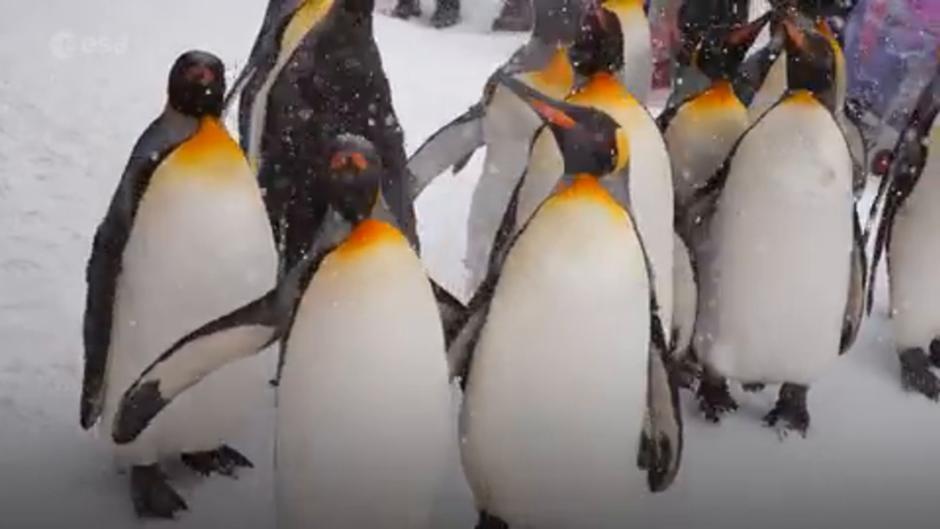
(364, 416)
(200, 247)
(914, 255)
(557, 388)
(775, 270)
(700, 137)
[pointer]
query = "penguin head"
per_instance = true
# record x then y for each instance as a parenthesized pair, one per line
(354, 177)
(810, 59)
(721, 49)
(599, 44)
(197, 84)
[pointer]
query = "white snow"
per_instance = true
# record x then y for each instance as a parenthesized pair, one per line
(80, 81)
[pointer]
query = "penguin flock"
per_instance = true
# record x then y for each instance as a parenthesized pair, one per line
(614, 258)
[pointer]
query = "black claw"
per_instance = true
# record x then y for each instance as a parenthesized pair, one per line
(756, 387)
(152, 496)
(714, 399)
(223, 460)
(935, 352)
(790, 412)
(488, 521)
(407, 9)
(916, 374)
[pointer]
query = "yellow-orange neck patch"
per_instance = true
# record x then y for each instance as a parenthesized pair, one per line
(210, 144)
(719, 96)
(557, 77)
(802, 97)
(368, 234)
(623, 6)
(586, 187)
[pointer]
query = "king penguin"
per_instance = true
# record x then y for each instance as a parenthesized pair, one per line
(615, 37)
(561, 352)
(773, 314)
(701, 130)
(505, 126)
(365, 427)
(314, 72)
(908, 233)
(185, 239)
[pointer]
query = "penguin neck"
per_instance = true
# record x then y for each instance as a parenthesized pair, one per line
(306, 17)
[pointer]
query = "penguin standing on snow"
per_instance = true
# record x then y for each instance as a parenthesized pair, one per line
(615, 37)
(364, 423)
(315, 72)
(782, 268)
(548, 427)
(505, 126)
(908, 233)
(185, 239)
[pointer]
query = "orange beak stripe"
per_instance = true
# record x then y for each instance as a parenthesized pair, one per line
(552, 114)
(794, 34)
(359, 161)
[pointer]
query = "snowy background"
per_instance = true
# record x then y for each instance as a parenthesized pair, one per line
(78, 83)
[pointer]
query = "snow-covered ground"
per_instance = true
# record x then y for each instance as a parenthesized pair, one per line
(79, 82)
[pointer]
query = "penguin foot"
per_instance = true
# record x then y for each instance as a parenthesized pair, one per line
(488, 521)
(406, 9)
(714, 399)
(916, 374)
(223, 460)
(445, 17)
(516, 16)
(790, 412)
(687, 373)
(152, 496)
(935, 352)
(756, 387)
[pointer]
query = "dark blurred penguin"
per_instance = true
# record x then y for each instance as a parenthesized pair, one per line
(315, 72)
(446, 14)
(908, 234)
(186, 239)
(784, 195)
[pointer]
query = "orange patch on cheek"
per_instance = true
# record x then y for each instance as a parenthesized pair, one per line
(368, 234)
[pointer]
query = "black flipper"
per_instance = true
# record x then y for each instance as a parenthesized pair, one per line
(907, 164)
(104, 265)
(239, 334)
(451, 146)
(855, 302)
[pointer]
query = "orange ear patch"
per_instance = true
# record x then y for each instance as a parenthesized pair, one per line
(369, 234)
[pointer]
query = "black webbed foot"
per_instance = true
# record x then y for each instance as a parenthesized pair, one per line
(935, 352)
(756, 387)
(714, 399)
(406, 9)
(446, 15)
(790, 413)
(916, 374)
(152, 496)
(223, 460)
(488, 521)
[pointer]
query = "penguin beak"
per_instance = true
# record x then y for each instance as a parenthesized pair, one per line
(344, 160)
(795, 37)
(552, 115)
(743, 37)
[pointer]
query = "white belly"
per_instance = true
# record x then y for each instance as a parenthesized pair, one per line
(774, 273)
(199, 249)
(914, 257)
(507, 130)
(637, 72)
(365, 424)
(557, 388)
